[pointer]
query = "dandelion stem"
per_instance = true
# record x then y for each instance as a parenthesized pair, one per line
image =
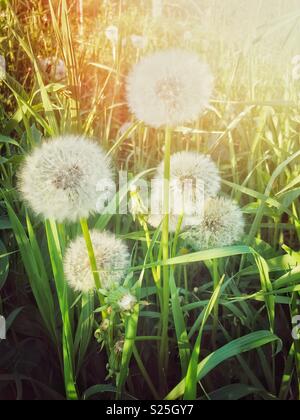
(92, 258)
(164, 351)
(216, 280)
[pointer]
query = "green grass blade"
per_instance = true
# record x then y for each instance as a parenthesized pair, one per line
(180, 327)
(235, 348)
(62, 293)
(190, 392)
(84, 329)
(38, 279)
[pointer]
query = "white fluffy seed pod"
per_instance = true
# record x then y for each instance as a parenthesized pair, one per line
(193, 179)
(222, 225)
(112, 34)
(60, 179)
(169, 88)
(127, 302)
(54, 68)
(112, 258)
(193, 166)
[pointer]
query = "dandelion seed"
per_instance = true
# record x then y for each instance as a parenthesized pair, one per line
(54, 68)
(112, 258)
(121, 299)
(59, 179)
(196, 167)
(105, 324)
(194, 178)
(169, 88)
(222, 225)
(119, 346)
(112, 34)
(127, 303)
(139, 42)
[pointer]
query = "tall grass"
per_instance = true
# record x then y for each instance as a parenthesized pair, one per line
(215, 324)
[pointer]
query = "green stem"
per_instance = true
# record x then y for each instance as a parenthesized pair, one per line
(216, 280)
(93, 262)
(164, 350)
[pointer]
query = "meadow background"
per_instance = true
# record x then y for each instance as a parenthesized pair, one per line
(251, 130)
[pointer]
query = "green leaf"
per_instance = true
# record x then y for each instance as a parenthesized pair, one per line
(236, 392)
(235, 348)
(5, 223)
(85, 328)
(8, 140)
(191, 382)
(55, 251)
(12, 317)
(98, 389)
(4, 264)
(180, 327)
(37, 275)
(218, 253)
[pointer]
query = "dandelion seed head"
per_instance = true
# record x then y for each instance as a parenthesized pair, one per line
(54, 68)
(139, 42)
(127, 302)
(222, 225)
(112, 258)
(105, 324)
(195, 167)
(119, 346)
(169, 88)
(59, 179)
(193, 179)
(112, 34)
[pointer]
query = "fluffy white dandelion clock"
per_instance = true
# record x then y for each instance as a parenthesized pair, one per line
(121, 299)
(195, 167)
(54, 68)
(112, 258)
(127, 302)
(138, 41)
(169, 88)
(112, 34)
(222, 225)
(60, 179)
(193, 179)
